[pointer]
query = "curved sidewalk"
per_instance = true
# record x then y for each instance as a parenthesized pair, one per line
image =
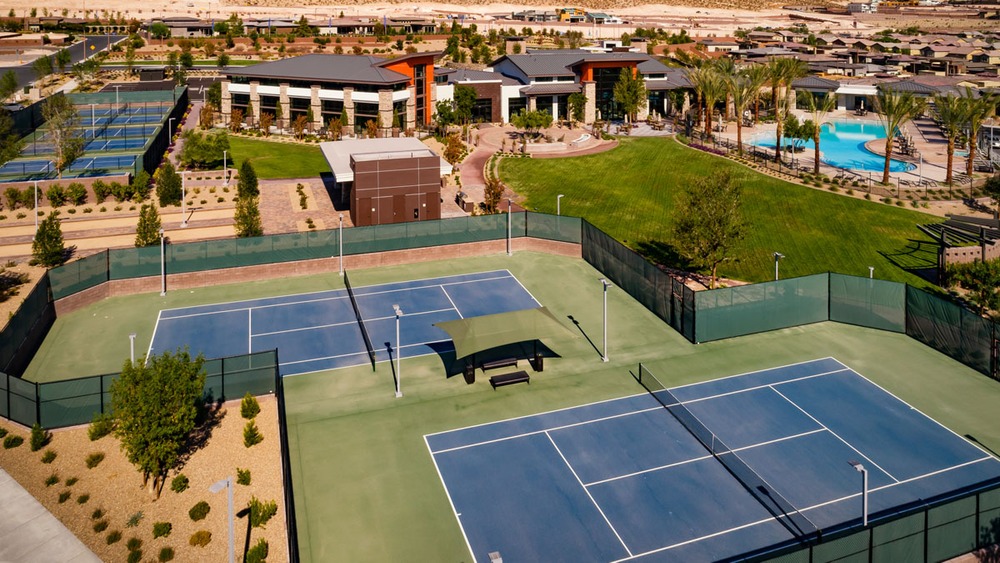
(28, 532)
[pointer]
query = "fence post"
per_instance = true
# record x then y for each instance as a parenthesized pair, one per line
(38, 406)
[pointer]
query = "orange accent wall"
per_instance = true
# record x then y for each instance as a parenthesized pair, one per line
(587, 69)
(406, 67)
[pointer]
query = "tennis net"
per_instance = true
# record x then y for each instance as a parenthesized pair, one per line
(361, 322)
(777, 505)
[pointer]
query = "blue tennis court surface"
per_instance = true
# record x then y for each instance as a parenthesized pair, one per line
(623, 479)
(320, 331)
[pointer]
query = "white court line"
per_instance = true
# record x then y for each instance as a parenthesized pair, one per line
(696, 540)
(149, 349)
(249, 330)
(374, 319)
(597, 506)
(363, 352)
(759, 371)
(450, 501)
(744, 448)
(314, 327)
(764, 386)
(445, 291)
(537, 302)
(835, 435)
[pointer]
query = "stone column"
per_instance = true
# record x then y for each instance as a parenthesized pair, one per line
(411, 109)
(385, 112)
(643, 113)
(532, 103)
(227, 103)
(254, 102)
(590, 108)
(316, 106)
(286, 107)
(349, 106)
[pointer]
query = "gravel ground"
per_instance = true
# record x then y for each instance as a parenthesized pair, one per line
(116, 487)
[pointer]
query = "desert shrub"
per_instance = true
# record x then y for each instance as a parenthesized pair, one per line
(40, 437)
(56, 195)
(100, 526)
(51, 480)
(133, 544)
(251, 435)
(166, 554)
(3, 432)
(100, 426)
(261, 512)
(64, 496)
(114, 536)
(101, 190)
(134, 556)
(243, 476)
(76, 193)
(257, 553)
(97, 513)
(162, 529)
(82, 499)
(199, 511)
(71, 481)
(249, 407)
(134, 520)
(179, 484)
(200, 538)
(94, 459)
(49, 456)
(13, 441)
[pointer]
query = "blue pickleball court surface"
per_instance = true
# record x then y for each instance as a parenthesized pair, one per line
(624, 480)
(320, 331)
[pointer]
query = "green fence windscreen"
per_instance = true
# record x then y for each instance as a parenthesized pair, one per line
(553, 227)
(79, 275)
(26, 329)
(22, 396)
(403, 236)
(950, 329)
(951, 529)
(868, 302)
(748, 309)
(899, 540)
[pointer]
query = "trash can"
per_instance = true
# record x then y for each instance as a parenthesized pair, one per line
(470, 374)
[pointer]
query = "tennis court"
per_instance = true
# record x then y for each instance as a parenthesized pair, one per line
(321, 331)
(625, 479)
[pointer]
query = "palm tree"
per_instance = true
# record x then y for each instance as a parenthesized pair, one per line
(725, 67)
(819, 111)
(744, 92)
(697, 77)
(893, 110)
(978, 110)
(781, 73)
(951, 112)
(759, 75)
(713, 89)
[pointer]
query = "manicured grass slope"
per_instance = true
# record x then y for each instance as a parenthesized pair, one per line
(630, 193)
(279, 160)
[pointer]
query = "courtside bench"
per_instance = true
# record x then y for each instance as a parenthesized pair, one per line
(501, 363)
(509, 379)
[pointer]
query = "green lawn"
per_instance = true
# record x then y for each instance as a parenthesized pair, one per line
(629, 192)
(278, 160)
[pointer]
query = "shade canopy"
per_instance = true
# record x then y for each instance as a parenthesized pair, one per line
(476, 334)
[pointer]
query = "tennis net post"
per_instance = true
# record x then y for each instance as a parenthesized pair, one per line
(361, 322)
(796, 522)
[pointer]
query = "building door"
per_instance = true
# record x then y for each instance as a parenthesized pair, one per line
(399, 209)
(365, 212)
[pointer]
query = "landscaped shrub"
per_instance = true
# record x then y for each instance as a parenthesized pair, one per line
(71, 481)
(51, 480)
(162, 529)
(13, 441)
(101, 190)
(49, 456)
(251, 435)
(133, 544)
(97, 513)
(94, 459)
(179, 484)
(40, 437)
(100, 426)
(76, 193)
(257, 553)
(100, 526)
(166, 554)
(134, 556)
(82, 499)
(114, 536)
(200, 538)
(199, 511)
(243, 476)
(3, 432)
(64, 496)
(134, 520)
(249, 407)
(261, 512)
(56, 195)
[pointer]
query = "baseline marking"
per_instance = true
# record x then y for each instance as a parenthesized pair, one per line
(447, 493)
(450, 300)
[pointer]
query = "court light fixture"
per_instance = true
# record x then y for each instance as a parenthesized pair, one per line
(777, 256)
(227, 484)
(399, 313)
(606, 284)
(864, 491)
(558, 202)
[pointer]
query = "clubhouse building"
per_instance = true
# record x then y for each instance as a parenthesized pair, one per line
(402, 92)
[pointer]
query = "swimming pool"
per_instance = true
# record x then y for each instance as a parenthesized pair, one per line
(842, 144)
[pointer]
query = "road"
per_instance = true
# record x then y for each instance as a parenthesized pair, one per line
(26, 75)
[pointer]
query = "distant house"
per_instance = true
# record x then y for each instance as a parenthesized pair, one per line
(600, 18)
(182, 26)
(719, 44)
(860, 8)
(268, 26)
(345, 26)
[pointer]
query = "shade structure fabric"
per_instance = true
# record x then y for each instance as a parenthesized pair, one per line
(476, 334)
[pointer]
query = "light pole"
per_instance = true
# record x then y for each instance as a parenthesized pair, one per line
(558, 207)
(117, 86)
(170, 131)
(777, 256)
(163, 267)
(508, 226)
(225, 169)
(93, 123)
(399, 313)
(184, 218)
(340, 243)
(920, 169)
(864, 491)
(871, 272)
(227, 484)
(606, 284)
(131, 347)
(36, 211)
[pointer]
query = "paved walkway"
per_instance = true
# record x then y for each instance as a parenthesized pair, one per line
(28, 532)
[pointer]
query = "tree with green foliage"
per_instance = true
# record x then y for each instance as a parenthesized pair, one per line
(818, 109)
(894, 109)
(203, 150)
(61, 121)
(11, 143)
(129, 57)
(8, 84)
(982, 281)
(531, 122)
(42, 67)
(709, 221)
(744, 89)
(48, 248)
(977, 111)
(214, 95)
(577, 102)
(782, 72)
(465, 100)
(247, 185)
(186, 60)
(156, 402)
(951, 112)
(159, 30)
(444, 115)
(222, 62)
(247, 218)
(63, 59)
(168, 185)
(140, 186)
(992, 189)
(147, 232)
(630, 93)
(86, 70)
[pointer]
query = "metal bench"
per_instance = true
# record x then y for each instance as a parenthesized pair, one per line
(509, 379)
(501, 363)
